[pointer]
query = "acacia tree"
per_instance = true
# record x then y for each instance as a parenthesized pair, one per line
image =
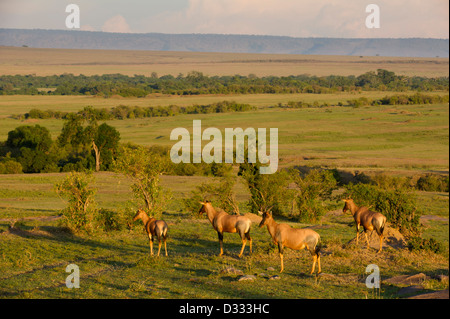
(89, 143)
(145, 168)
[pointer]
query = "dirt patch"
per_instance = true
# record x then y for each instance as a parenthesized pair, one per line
(425, 218)
(392, 238)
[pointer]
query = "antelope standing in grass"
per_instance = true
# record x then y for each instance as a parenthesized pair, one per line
(297, 239)
(368, 219)
(225, 223)
(153, 228)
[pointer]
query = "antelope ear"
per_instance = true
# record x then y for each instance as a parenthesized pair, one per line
(344, 200)
(260, 212)
(202, 203)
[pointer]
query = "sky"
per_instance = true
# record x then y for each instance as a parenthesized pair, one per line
(295, 18)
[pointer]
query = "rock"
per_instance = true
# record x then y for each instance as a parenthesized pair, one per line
(247, 277)
(270, 269)
(410, 290)
(442, 294)
(263, 275)
(407, 279)
(232, 271)
(274, 277)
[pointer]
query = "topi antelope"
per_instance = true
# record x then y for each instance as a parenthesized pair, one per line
(368, 219)
(297, 239)
(223, 222)
(153, 228)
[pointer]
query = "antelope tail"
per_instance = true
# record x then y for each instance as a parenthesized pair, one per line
(379, 225)
(318, 247)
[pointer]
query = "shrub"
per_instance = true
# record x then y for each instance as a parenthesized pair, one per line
(79, 213)
(417, 243)
(397, 205)
(10, 166)
(433, 183)
(313, 188)
(108, 220)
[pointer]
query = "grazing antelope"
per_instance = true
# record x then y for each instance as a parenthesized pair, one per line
(153, 228)
(223, 222)
(368, 219)
(297, 239)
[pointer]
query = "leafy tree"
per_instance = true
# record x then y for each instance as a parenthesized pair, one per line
(220, 193)
(266, 190)
(33, 148)
(34, 137)
(144, 168)
(105, 144)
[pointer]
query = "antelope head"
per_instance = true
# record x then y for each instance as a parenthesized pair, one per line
(266, 218)
(348, 205)
(139, 214)
(204, 207)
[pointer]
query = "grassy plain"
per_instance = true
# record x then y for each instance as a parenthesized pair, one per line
(35, 252)
(404, 140)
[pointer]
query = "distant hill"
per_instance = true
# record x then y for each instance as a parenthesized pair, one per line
(74, 39)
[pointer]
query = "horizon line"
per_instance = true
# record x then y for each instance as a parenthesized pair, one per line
(220, 34)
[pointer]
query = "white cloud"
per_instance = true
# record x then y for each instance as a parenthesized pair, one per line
(305, 18)
(116, 24)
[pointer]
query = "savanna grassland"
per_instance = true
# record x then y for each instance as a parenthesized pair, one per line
(397, 140)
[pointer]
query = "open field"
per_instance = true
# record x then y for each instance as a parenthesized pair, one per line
(89, 62)
(402, 140)
(411, 138)
(35, 252)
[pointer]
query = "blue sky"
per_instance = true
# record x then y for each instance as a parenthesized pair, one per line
(297, 18)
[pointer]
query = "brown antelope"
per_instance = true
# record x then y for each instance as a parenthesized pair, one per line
(297, 239)
(368, 219)
(153, 228)
(225, 223)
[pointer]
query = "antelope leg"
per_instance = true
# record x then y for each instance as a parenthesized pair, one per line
(244, 241)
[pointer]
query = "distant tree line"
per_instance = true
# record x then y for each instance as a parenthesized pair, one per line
(195, 83)
(122, 112)
(400, 99)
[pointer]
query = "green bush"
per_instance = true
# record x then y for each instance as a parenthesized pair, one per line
(433, 183)
(417, 243)
(79, 213)
(313, 189)
(108, 220)
(9, 166)
(397, 205)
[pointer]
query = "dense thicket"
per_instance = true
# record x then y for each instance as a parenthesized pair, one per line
(122, 112)
(195, 83)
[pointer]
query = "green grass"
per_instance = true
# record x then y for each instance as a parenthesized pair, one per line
(413, 138)
(34, 254)
(400, 140)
